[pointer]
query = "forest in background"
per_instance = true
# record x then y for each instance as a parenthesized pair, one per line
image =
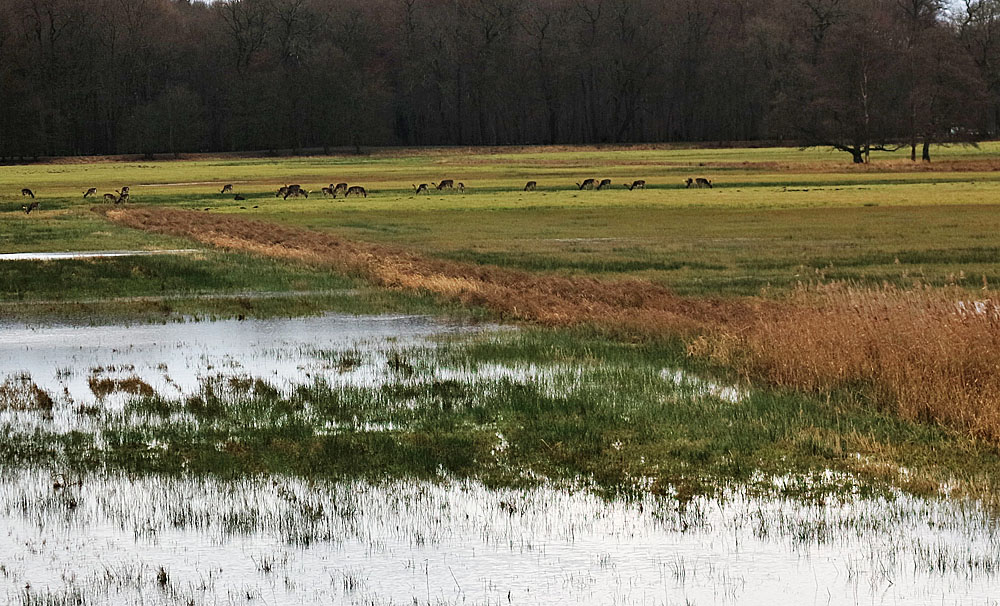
(169, 76)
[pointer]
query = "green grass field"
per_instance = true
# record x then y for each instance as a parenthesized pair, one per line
(776, 217)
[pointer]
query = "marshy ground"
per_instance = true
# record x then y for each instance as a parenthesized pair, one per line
(780, 378)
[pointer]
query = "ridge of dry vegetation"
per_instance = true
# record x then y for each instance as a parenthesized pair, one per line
(631, 307)
(928, 354)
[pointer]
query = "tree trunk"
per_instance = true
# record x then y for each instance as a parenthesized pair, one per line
(926, 155)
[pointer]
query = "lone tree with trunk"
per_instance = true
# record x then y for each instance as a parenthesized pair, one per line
(854, 98)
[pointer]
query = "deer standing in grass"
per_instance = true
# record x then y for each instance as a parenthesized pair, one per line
(27, 192)
(30, 207)
(356, 190)
(699, 182)
(421, 189)
(227, 188)
(110, 197)
(339, 188)
(530, 186)
(90, 192)
(587, 184)
(638, 184)
(446, 184)
(604, 183)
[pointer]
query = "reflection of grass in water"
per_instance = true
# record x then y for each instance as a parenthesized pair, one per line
(510, 408)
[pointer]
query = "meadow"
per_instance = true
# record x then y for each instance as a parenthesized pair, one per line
(805, 329)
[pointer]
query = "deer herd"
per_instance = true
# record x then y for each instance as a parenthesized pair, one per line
(333, 190)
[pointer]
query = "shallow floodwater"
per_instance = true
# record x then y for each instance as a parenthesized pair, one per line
(285, 541)
(109, 538)
(91, 254)
(174, 357)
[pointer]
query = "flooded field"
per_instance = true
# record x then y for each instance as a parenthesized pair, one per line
(401, 460)
(278, 540)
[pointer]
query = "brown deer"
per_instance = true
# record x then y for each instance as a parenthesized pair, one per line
(124, 191)
(122, 196)
(327, 191)
(638, 184)
(530, 186)
(587, 184)
(422, 188)
(604, 183)
(28, 192)
(446, 184)
(461, 188)
(90, 192)
(110, 197)
(357, 190)
(227, 188)
(30, 207)
(339, 188)
(282, 192)
(295, 190)
(698, 182)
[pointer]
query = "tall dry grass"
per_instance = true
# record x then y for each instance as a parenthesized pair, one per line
(929, 354)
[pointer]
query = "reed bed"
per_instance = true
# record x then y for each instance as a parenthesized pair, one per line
(928, 354)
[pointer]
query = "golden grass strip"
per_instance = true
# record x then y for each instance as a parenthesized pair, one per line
(624, 307)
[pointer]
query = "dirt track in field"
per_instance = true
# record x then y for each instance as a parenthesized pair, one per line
(629, 306)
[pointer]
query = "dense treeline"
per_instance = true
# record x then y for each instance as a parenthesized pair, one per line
(145, 76)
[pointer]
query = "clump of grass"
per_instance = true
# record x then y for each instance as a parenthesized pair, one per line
(103, 387)
(21, 393)
(928, 354)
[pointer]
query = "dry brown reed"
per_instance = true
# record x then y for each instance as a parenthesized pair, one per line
(929, 354)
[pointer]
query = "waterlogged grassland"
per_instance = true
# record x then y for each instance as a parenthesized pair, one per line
(507, 409)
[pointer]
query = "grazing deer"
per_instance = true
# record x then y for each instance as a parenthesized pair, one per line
(422, 188)
(699, 182)
(122, 196)
(356, 190)
(30, 207)
(124, 191)
(338, 188)
(90, 192)
(110, 197)
(604, 183)
(227, 188)
(28, 192)
(530, 186)
(461, 188)
(446, 184)
(239, 197)
(282, 192)
(638, 184)
(327, 191)
(587, 184)
(293, 190)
